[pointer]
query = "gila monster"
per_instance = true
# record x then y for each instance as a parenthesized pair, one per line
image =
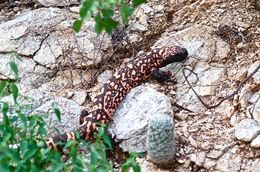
(113, 92)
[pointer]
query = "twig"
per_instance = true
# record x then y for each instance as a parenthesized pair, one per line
(226, 97)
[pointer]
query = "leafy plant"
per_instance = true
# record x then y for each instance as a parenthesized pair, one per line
(103, 11)
(22, 139)
(258, 2)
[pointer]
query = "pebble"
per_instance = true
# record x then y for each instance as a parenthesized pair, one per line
(214, 154)
(256, 142)
(247, 130)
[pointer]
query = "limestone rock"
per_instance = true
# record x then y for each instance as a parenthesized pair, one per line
(69, 118)
(256, 142)
(130, 120)
(229, 162)
(247, 130)
(49, 3)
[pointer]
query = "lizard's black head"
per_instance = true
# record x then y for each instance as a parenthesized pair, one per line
(172, 54)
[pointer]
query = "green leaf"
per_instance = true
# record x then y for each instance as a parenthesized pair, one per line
(110, 25)
(56, 110)
(85, 9)
(23, 148)
(136, 168)
(69, 144)
(124, 167)
(107, 141)
(3, 86)
(258, 3)
(99, 26)
(107, 13)
(15, 91)
(94, 156)
(137, 2)
(23, 120)
(57, 113)
(77, 25)
(5, 109)
(14, 68)
(125, 12)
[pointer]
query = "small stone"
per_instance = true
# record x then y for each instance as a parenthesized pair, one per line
(75, 9)
(256, 112)
(234, 149)
(138, 27)
(198, 158)
(256, 76)
(214, 154)
(70, 94)
(193, 142)
(146, 8)
(247, 130)
(135, 38)
(104, 76)
(255, 166)
(209, 163)
(181, 116)
(229, 162)
(159, 8)
(15, 9)
(256, 142)
(80, 97)
(233, 120)
(205, 145)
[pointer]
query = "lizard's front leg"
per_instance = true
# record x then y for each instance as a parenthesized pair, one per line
(83, 114)
(162, 76)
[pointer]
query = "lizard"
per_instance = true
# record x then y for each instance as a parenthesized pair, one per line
(113, 92)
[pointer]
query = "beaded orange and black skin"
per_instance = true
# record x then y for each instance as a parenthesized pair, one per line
(114, 91)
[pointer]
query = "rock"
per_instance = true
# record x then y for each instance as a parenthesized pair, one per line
(199, 158)
(138, 27)
(147, 166)
(256, 142)
(69, 117)
(104, 76)
(256, 112)
(48, 3)
(256, 76)
(48, 53)
(208, 164)
(229, 162)
(141, 22)
(146, 8)
(79, 97)
(160, 141)
(24, 34)
(202, 48)
(255, 166)
(130, 120)
(46, 34)
(67, 78)
(247, 130)
(25, 67)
